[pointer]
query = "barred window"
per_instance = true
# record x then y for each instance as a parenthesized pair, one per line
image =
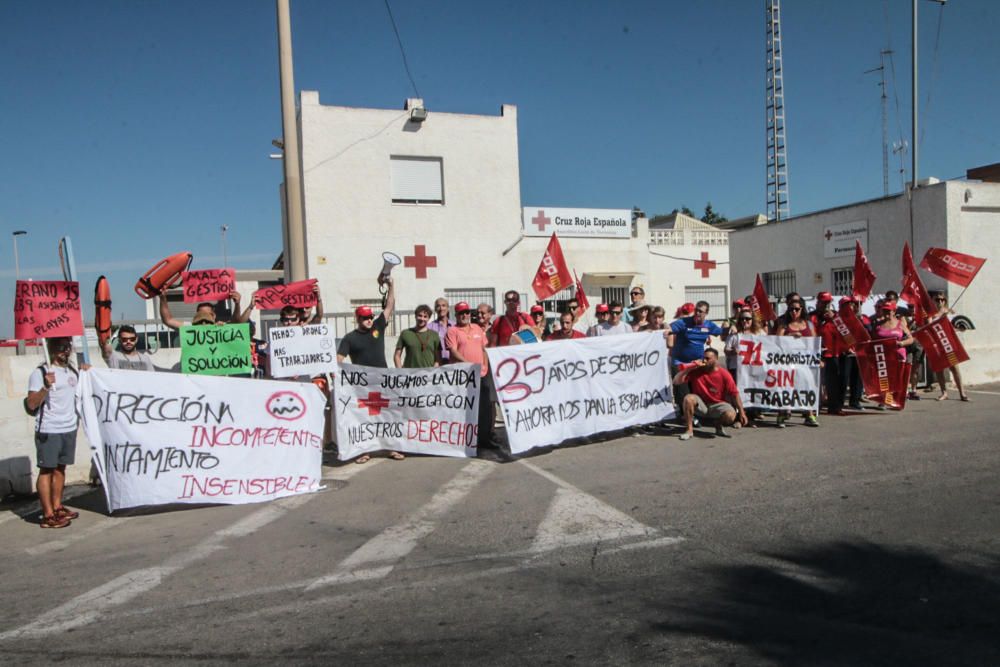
(718, 304)
(842, 281)
(779, 283)
(609, 294)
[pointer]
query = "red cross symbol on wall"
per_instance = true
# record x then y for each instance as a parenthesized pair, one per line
(374, 403)
(705, 264)
(828, 235)
(420, 261)
(541, 221)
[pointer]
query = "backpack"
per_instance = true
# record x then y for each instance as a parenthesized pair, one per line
(37, 412)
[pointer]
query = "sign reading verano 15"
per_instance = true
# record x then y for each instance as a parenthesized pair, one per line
(595, 222)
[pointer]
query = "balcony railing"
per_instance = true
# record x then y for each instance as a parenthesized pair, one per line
(702, 237)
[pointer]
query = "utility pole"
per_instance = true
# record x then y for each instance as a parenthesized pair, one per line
(17, 261)
(885, 122)
(225, 255)
(914, 149)
(295, 253)
(776, 189)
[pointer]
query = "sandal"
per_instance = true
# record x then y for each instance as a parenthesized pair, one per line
(396, 456)
(65, 513)
(364, 458)
(53, 522)
(964, 398)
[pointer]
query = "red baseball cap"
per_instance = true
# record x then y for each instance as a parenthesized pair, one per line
(740, 302)
(363, 311)
(823, 297)
(846, 299)
(537, 309)
(462, 307)
(602, 308)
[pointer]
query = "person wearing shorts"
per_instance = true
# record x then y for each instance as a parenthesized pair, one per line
(52, 399)
(710, 387)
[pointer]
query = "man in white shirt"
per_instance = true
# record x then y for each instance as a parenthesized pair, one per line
(614, 324)
(52, 399)
(126, 357)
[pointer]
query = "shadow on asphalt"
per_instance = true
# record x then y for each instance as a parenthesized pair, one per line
(850, 604)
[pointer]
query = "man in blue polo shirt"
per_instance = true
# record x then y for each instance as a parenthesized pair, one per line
(689, 336)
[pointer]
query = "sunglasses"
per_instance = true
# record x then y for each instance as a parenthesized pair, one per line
(127, 340)
(366, 317)
(463, 312)
(616, 312)
(635, 294)
(796, 309)
(746, 319)
(288, 320)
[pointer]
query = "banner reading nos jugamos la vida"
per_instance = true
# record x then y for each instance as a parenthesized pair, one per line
(553, 391)
(779, 372)
(417, 410)
(161, 438)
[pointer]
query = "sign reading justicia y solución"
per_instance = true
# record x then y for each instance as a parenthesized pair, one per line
(588, 222)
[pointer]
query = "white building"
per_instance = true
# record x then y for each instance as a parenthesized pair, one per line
(815, 252)
(444, 194)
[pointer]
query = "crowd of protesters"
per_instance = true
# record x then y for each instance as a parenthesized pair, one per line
(704, 386)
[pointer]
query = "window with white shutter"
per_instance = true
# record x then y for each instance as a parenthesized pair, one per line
(416, 180)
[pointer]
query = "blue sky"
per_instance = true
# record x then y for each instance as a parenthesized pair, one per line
(139, 128)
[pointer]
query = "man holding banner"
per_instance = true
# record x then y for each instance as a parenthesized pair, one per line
(467, 343)
(710, 387)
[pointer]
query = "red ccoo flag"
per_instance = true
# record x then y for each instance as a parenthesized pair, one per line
(851, 329)
(954, 267)
(760, 305)
(914, 292)
(581, 299)
(864, 277)
(553, 275)
(884, 374)
(940, 342)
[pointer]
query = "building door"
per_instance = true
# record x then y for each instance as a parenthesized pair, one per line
(718, 304)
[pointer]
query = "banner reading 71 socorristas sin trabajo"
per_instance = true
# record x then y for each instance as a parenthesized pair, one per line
(779, 372)
(161, 438)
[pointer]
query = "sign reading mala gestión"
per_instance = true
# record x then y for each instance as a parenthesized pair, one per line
(558, 390)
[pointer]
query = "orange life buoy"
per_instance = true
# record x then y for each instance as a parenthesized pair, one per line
(102, 309)
(163, 275)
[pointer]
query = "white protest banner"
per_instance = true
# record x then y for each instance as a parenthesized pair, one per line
(307, 350)
(418, 410)
(564, 389)
(162, 438)
(779, 372)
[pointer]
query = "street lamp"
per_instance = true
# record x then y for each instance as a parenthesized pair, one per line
(17, 263)
(225, 255)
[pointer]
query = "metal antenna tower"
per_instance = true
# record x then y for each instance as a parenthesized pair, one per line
(885, 121)
(777, 161)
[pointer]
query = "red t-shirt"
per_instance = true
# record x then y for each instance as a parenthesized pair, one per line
(833, 344)
(561, 335)
(712, 386)
(505, 326)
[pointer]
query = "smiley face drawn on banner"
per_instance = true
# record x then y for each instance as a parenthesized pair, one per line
(286, 405)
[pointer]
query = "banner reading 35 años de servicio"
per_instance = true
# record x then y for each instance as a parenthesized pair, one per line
(161, 438)
(779, 372)
(557, 390)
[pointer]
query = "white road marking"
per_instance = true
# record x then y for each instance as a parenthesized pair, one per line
(978, 391)
(395, 542)
(92, 605)
(575, 518)
(346, 472)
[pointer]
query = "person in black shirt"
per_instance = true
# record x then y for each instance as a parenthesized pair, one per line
(366, 344)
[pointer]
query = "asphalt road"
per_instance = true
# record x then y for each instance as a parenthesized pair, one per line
(874, 539)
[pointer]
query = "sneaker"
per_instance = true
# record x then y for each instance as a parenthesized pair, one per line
(811, 420)
(686, 436)
(858, 407)
(720, 432)
(913, 396)
(781, 420)
(54, 522)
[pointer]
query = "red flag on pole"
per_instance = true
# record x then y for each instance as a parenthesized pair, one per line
(850, 328)
(553, 275)
(940, 342)
(864, 277)
(914, 292)
(884, 374)
(954, 267)
(581, 299)
(760, 305)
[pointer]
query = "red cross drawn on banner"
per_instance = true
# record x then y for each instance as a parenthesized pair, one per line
(374, 403)
(420, 261)
(705, 264)
(541, 221)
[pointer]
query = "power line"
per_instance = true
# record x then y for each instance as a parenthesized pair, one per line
(934, 69)
(402, 51)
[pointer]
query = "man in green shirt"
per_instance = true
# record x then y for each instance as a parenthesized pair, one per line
(422, 346)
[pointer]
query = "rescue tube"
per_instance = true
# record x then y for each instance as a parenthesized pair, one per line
(164, 275)
(102, 309)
